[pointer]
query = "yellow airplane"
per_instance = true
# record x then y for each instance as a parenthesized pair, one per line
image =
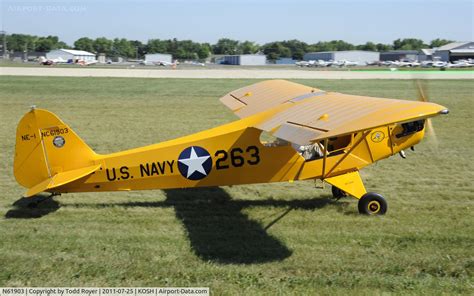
(316, 135)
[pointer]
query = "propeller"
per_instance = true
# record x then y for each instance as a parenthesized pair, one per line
(423, 97)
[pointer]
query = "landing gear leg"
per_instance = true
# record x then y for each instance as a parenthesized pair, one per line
(351, 184)
(337, 193)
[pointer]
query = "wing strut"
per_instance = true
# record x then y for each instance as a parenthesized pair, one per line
(364, 135)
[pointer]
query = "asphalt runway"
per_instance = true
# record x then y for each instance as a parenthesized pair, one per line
(233, 73)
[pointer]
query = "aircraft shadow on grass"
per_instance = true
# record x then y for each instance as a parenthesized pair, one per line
(217, 229)
(32, 207)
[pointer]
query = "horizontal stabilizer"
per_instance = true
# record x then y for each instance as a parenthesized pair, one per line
(61, 179)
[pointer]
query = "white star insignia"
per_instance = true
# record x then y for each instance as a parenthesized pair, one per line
(194, 163)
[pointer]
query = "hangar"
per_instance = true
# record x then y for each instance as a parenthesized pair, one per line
(360, 56)
(70, 55)
(158, 57)
(455, 51)
(245, 60)
(426, 54)
(399, 55)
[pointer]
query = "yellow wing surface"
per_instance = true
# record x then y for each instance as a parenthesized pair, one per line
(304, 115)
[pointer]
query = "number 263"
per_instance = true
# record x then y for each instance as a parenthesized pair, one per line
(237, 157)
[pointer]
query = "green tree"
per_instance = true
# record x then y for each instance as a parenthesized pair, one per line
(204, 51)
(409, 44)
(84, 43)
(439, 42)
(276, 50)
(320, 46)
(20, 42)
(226, 46)
(342, 45)
(62, 44)
(383, 47)
(140, 48)
(370, 46)
(157, 46)
(103, 45)
(297, 48)
(48, 43)
(123, 48)
(44, 44)
(185, 49)
(247, 47)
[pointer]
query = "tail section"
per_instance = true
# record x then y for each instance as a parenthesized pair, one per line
(48, 153)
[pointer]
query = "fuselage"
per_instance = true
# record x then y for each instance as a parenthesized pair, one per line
(234, 154)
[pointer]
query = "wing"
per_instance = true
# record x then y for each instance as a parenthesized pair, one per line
(264, 95)
(307, 115)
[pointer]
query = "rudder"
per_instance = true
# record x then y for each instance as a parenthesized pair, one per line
(46, 147)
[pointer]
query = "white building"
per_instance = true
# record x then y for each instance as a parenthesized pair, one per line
(359, 56)
(245, 60)
(70, 55)
(152, 58)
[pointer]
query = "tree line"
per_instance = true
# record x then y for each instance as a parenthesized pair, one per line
(190, 50)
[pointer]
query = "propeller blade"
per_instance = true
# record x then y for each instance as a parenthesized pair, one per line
(423, 97)
(422, 94)
(431, 132)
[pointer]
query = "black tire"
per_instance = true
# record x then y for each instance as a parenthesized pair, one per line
(337, 193)
(372, 204)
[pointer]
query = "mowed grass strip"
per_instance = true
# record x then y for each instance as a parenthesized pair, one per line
(259, 239)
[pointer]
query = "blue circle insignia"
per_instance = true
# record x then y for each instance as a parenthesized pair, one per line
(194, 163)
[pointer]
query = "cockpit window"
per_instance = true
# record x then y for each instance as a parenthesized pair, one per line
(336, 146)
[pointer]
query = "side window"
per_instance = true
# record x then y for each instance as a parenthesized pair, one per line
(269, 140)
(336, 146)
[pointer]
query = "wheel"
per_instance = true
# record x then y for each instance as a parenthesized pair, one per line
(337, 193)
(372, 204)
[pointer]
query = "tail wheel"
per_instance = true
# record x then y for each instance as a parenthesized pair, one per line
(337, 193)
(372, 204)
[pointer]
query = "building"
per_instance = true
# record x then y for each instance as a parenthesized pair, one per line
(245, 60)
(285, 61)
(70, 55)
(152, 58)
(454, 51)
(360, 56)
(399, 55)
(26, 56)
(426, 54)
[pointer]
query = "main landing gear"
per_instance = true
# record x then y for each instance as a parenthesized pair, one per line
(370, 203)
(337, 193)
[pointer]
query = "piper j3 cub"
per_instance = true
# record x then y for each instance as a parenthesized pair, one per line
(318, 135)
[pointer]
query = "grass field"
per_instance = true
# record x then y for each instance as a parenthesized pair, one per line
(260, 239)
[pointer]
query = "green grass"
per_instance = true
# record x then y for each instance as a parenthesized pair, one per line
(260, 239)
